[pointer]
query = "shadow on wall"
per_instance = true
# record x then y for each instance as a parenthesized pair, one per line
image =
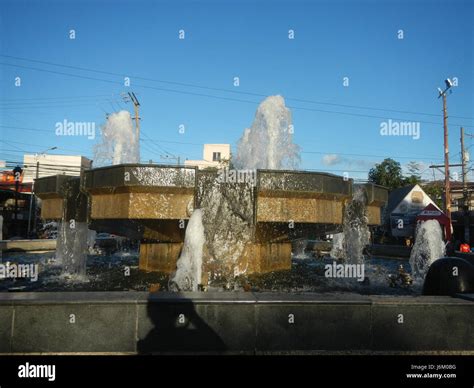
(177, 328)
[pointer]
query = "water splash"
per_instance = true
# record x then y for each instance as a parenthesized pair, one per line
(72, 248)
(268, 143)
(355, 227)
(189, 267)
(337, 249)
(120, 143)
(349, 245)
(299, 249)
(228, 224)
(429, 246)
(227, 207)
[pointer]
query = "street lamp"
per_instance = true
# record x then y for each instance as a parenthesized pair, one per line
(32, 189)
(17, 172)
(39, 154)
(447, 184)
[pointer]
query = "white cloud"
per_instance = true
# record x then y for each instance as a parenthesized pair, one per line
(332, 159)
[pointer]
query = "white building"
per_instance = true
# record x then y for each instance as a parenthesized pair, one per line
(213, 156)
(43, 165)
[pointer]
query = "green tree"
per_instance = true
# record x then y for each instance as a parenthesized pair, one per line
(435, 191)
(414, 175)
(388, 173)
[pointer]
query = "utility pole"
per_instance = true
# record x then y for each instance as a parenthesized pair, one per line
(136, 106)
(447, 185)
(465, 194)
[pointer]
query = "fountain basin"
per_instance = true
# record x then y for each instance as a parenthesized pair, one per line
(251, 323)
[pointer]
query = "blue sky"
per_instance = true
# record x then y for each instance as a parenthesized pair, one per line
(249, 40)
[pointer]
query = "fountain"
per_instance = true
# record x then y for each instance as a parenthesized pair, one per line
(228, 224)
(188, 275)
(120, 143)
(355, 227)
(63, 201)
(428, 247)
(359, 212)
(249, 222)
(268, 143)
(337, 249)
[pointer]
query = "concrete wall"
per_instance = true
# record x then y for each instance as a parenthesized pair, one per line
(134, 322)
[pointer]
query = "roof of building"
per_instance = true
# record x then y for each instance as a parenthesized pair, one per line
(396, 196)
(455, 185)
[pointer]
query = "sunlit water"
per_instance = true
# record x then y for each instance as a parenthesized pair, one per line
(119, 272)
(268, 143)
(429, 246)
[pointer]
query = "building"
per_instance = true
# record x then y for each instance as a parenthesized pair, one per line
(213, 156)
(457, 199)
(17, 207)
(15, 202)
(46, 165)
(457, 193)
(403, 207)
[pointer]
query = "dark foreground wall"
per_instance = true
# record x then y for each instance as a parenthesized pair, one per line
(134, 322)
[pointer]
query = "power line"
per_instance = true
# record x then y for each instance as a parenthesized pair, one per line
(175, 142)
(255, 94)
(40, 99)
(26, 129)
(367, 155)
(49, 106)
(156, 144)
(155, 141)
(14, 161)
(229, 98)
(40, 145)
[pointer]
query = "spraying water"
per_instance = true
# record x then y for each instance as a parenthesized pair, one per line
(337, 249)
(268, 143)
(120, 143)
(228, 220)
(349, 244)
(189, 267)
(74, 236)
(429, 246)
(355, 227)
(226, 215)
(72, 248)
